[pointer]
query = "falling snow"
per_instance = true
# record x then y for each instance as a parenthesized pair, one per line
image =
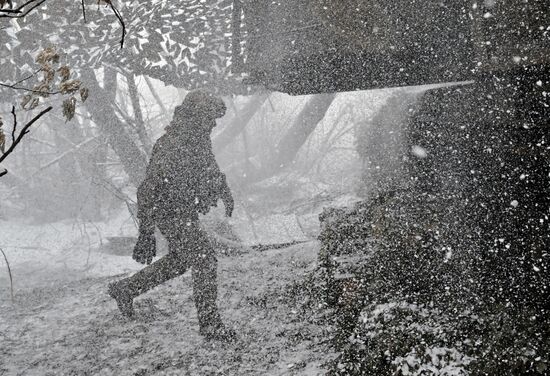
(211, 187)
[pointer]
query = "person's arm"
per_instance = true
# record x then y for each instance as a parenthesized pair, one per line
(145, 248)
(226, 196)
(218, 181)
(148, 191)
(145, 201)
(222, 188)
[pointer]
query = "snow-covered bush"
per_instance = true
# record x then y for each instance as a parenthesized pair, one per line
(411, 303)
(405, 339)
(397, 247)
(401, 338)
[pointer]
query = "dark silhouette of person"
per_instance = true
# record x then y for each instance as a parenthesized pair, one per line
(182, 180)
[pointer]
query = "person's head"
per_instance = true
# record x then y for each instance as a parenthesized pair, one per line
(203, 105)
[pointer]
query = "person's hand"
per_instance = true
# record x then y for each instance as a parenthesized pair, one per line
(145, 248)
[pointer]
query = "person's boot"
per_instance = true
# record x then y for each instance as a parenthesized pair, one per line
(121, 292)
(211, 327)
(124, 291)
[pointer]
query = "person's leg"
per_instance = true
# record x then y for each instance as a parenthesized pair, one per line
(205, 285)
(162, 270)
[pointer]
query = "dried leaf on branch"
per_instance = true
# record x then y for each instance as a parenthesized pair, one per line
(48, 55)
(64, 72)
(42, 89)
(48, 59)
(84, 92)
(70, 86)
(69, 108)
(34, 103)
(26, 99)
(49, 74)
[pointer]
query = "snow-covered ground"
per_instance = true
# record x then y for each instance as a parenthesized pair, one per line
(62, 322)
(72, 327)
(46, 255)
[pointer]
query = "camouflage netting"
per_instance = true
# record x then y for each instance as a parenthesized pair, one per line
(443, 269)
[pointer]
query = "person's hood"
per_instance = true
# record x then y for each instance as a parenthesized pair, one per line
(201, 104)
(197, 113)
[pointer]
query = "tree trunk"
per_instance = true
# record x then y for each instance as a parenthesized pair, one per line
(138, 115)
(99, 105)
(242, 117)
(286, 150)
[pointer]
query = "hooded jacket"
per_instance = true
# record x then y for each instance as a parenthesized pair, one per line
(183, 178)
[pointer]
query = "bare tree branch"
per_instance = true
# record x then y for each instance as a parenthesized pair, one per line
(83, 10)
(66, 153)
(21, 12)
(117, 14)
(28, 77)
(14, 87)
(14, 125)
(9, 272)
(22, 134)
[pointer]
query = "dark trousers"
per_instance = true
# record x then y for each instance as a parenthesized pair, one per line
(188, 247)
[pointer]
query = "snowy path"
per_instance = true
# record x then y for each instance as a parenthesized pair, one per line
(74, 328)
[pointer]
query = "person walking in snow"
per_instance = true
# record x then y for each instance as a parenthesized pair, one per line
(182, 180)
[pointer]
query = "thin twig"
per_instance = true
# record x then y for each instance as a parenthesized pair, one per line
(124, 116)
(30, 76)
(18, 9)
(43, 142)
(83, 11)
(9, 272)
(12, 86)
(68, 152)
(266, 247)
(18, 13)
(22, 134)
(117, 14)
(14, 124)
(10, 11)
